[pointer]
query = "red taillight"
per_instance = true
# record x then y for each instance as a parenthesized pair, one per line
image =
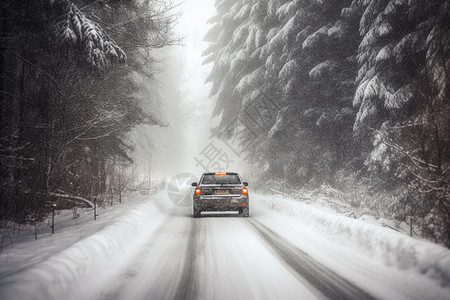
(198, 191)
(220, 173)
(244, 191)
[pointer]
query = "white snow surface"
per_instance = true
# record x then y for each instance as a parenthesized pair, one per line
(144, 249)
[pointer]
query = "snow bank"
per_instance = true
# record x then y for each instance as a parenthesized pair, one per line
(69, 273)
(392, 248)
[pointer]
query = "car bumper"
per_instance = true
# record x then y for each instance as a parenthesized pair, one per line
(220, 203)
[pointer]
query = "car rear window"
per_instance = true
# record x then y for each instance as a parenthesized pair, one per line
(221, 179)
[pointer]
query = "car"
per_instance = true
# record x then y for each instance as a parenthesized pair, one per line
(220, 191)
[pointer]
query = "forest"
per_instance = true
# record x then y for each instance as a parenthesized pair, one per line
(349, 94)
(353, 94)
(68, 95)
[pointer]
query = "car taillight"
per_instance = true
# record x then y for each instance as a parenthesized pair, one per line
(244, 191)
(198, 191)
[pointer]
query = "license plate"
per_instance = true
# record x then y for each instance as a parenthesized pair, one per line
(222, 192)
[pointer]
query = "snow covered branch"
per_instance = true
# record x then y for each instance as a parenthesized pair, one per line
(71, 197)
(72, 29)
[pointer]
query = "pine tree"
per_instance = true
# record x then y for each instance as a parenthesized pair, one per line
(289, 58)
(402, 95)
(360, 85)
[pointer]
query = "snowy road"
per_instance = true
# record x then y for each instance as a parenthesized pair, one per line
(150, 249)
(225, 257)
(207, 258)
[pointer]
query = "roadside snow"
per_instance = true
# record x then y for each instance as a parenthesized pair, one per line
(65, 265)
(367, 236)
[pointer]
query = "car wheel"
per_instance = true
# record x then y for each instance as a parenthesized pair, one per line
(244, 212)
(197, 213)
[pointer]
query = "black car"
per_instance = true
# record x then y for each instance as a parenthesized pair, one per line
(221, 191)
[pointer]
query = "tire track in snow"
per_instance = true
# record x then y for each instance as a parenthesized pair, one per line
(186, 287)
(320, 278)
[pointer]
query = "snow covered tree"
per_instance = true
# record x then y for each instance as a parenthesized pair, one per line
(227, 37)
(403, 96)
(236, 41)
(317, 49)
(67, 100)
(298, 55)
(342, 74)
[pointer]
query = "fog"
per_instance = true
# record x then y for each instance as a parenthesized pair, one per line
(182, 97)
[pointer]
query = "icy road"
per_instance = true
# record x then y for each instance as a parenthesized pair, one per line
(147, 248)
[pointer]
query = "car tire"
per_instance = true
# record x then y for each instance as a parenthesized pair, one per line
(245, 213)
(197, 213)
